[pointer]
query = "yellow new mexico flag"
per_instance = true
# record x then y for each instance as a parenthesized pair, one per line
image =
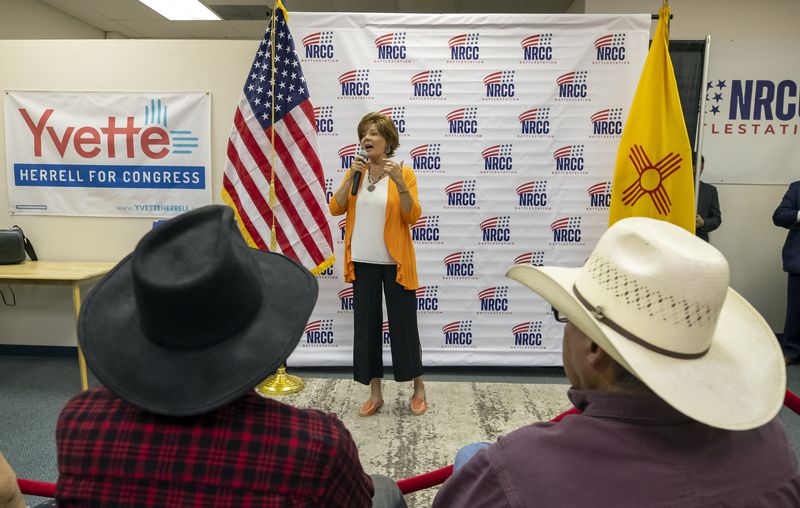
(653, 175)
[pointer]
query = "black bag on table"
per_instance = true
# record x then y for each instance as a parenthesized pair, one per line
(14, 245)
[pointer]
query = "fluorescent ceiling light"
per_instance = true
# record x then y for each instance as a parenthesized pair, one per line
(181, 10)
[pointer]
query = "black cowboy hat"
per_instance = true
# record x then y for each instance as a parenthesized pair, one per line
(194, 318)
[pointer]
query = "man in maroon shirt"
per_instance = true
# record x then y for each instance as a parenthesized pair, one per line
(179, 333)
(678, 380)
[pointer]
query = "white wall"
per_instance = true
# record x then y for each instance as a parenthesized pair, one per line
(747, 237)
(31, 19)
(43, 315)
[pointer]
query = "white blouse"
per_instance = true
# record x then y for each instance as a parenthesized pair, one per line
(367, 244)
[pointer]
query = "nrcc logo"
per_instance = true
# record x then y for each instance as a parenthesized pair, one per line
(347, 154)
(760, 106)
(319, 46)
(355, 84)
(346, 300)
(599, 196)
(569, 159)
(537, 48)
(460, 265)
(427, 85)
(464, 48)
(499, 85)
(496, 230)
(610, 49)
(426, 158)
(533, 258)
(497, 158)
(532, 195)
(428, 299)
(494, 300)
(319, 333)
(392, 47)
(323, 118)
(463, 123)
(398, 117)
(527, 335)
(458, 335)
(426, 230)
(535, 123)
(342, 227)
(461, 195)
(566, 231)
(573, 86)
(607, 123)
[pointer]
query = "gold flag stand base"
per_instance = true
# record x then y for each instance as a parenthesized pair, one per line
(280, 383)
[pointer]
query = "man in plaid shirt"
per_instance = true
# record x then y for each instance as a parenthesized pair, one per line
(179, 333)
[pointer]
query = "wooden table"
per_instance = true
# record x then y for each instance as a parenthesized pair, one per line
(59, 273)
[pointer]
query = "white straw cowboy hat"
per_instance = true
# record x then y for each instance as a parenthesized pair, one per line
(656, 298)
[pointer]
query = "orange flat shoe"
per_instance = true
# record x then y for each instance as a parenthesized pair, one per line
(418, 406)
(369, 408)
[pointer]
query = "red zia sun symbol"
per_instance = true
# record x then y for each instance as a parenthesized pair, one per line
(651, 179)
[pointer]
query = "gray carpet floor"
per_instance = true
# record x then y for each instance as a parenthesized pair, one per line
(33, 390)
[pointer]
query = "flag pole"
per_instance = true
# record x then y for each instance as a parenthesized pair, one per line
(701, 119)
(280, 383)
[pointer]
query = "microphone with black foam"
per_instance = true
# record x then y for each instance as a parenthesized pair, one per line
(357, 177)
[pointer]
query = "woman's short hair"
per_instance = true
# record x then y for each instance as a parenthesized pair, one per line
(385, 127)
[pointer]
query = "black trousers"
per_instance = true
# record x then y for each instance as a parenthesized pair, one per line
(790, 341)
(401, 305)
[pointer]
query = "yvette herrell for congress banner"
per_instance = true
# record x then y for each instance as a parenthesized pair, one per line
(130, 154)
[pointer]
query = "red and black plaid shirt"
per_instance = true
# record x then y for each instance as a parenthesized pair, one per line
(251, 452)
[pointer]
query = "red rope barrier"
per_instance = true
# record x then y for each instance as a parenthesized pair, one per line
(438, 476)
(32, 488)
(407, 486)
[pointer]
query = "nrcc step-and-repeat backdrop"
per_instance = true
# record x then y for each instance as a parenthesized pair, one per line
(511, 124)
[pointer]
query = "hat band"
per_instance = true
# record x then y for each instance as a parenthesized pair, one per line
(597, 312)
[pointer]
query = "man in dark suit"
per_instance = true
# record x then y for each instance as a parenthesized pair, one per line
(787, 215)
(708, 216)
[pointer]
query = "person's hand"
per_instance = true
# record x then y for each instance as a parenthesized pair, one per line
(359, 166)
(699, 222)
(394, 170)
(10, 496)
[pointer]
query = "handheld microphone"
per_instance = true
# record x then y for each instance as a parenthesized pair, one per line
(357, 177)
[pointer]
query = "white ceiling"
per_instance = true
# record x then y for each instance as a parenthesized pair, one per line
(133, 19)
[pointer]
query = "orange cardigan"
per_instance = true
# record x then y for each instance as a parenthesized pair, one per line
(396, 232)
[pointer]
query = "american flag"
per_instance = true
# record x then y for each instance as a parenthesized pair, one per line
(260, 149)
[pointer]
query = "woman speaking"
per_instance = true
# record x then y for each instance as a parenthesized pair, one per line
(382, 207)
